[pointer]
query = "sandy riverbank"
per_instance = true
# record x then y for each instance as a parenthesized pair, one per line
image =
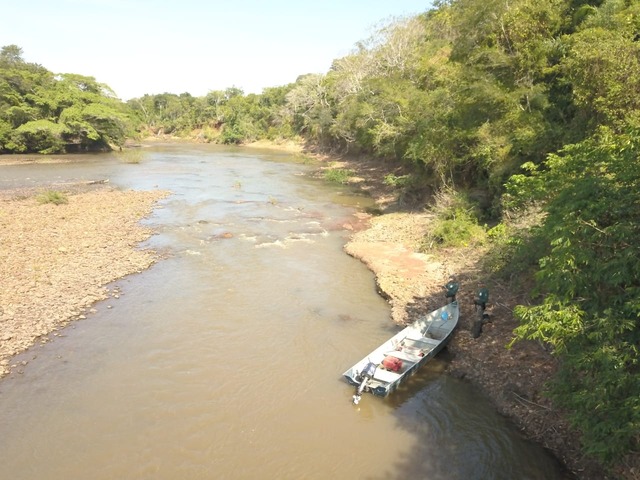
(55, 260)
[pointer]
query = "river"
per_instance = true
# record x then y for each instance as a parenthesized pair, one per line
(224, 360)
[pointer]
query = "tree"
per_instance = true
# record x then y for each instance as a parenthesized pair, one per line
(42, 136)
(55, 113)
(603, 66)
(590, 312)
(308, 104)
(10, 55)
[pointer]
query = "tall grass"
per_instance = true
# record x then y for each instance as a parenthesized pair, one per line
(52, 196)
(338, 175)
(132, 156)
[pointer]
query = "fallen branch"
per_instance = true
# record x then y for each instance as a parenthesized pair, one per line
(529, 401)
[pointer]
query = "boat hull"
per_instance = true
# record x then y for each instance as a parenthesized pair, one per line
(415, 345)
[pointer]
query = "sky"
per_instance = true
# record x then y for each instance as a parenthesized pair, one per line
(140, 47)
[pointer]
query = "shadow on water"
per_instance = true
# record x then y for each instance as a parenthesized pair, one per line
(459, 435)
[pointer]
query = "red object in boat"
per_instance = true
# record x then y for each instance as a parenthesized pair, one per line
(392, 363)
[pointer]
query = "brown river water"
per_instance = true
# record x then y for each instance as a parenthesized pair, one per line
(225, 360)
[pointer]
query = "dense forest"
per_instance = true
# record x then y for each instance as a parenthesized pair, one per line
(529, 110)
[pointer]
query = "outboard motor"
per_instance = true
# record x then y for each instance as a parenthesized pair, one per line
(366, 375)
(481, 316)
(451, 289)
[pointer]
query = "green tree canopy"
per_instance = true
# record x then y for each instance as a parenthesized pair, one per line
(46, 113)
(589, 281)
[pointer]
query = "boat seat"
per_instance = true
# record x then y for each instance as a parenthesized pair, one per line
(409, 357)
(427, 340)
(385, 375)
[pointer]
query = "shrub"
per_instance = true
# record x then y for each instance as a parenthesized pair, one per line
(231, 134)
(338, 175)
(52, 196)
(396, 181)
(460, 229)
(456, 223)
(130, 156)
(514, 251)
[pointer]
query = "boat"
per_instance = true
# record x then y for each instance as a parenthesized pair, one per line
(393, 362)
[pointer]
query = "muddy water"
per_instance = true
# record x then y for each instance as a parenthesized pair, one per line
(224, 360)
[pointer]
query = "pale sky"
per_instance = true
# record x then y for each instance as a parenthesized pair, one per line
(145, 46)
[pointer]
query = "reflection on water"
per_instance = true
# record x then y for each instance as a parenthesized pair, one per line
(224, 360)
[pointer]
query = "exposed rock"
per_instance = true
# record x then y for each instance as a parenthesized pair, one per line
(55, 259)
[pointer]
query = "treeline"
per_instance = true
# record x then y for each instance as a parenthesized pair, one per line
(533, 102)
(227, 117)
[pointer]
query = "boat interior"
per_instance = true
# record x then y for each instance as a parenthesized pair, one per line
(410, 350)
